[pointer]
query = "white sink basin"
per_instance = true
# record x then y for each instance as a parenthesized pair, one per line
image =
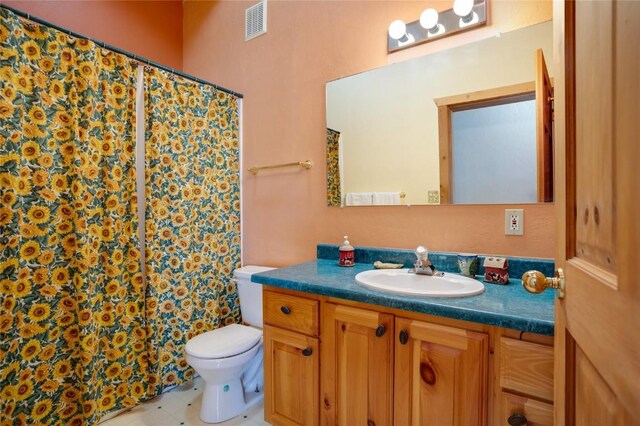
(400, 281)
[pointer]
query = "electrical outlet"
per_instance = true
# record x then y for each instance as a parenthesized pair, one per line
(513, 222)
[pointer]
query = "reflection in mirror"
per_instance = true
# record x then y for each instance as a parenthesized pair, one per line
(495, 146)
(494, 154)
(334, 190)
(388, 119)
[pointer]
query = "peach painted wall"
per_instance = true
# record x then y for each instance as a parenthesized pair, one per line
(151, 29)
(282, 75)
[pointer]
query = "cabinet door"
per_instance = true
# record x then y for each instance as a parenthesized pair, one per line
(532, 411)
(440, 375)
(357, 356)
(291, 374)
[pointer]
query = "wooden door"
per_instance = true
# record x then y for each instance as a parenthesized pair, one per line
(544, 129)
(357, 357)
(597, 334)
(291, 377)
(440, 375)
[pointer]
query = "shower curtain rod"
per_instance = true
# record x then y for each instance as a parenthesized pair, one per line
(115, 49)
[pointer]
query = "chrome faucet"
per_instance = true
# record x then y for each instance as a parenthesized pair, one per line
(423, 266)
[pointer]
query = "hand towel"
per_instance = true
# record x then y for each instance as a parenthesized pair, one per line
(359, 198)
(386, 198)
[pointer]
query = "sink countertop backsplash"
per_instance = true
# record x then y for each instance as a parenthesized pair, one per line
(443, 261)
(508, 306)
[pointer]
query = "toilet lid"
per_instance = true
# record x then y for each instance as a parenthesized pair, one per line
(224, 342)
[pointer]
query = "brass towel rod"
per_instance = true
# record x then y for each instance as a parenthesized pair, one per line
(306, 164)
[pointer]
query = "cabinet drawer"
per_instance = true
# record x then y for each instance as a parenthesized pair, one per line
(537, 413)
(291, 312)
(527, 368)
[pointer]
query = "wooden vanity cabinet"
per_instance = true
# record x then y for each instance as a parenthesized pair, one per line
(357, 359)
(335, 362)
(440, 375)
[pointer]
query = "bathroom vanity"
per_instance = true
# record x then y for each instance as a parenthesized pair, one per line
(337, 353)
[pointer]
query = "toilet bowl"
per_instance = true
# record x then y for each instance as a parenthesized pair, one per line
(229, 359)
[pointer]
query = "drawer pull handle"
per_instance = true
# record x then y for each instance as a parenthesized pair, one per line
(381, 330)
(517, 420)
(285, 310)
(404, 337)
(307, 351)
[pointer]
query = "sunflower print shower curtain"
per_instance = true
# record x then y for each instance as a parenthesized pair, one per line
(72, 327)
(192, 217)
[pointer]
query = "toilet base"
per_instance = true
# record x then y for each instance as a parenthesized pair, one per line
(225, 401)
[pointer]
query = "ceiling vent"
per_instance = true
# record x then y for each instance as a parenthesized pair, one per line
(255, 20)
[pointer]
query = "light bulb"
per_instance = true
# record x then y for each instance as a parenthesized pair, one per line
(462, 8)
(429, 19)
(397, 29)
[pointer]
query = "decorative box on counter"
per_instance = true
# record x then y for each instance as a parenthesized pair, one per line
(496, 270)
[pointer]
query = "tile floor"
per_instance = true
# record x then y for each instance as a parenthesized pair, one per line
(180, 406)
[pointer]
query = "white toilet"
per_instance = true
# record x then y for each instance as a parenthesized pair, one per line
(229, 359)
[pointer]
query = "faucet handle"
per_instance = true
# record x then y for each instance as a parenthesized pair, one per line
(422, 253)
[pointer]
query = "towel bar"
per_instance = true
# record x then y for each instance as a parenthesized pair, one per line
(305, 164)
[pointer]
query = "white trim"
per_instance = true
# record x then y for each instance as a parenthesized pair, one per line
(241, 184)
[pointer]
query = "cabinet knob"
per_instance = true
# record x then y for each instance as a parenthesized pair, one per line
(517, 420)
(404, 337)
(381, 330)
(371, 423)
(285, 309)
(307, 351)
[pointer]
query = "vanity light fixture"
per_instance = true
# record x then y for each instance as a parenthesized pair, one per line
(398, 31)
(429, 21)
(464, 9)
(463, 16)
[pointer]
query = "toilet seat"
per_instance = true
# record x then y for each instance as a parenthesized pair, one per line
(224, 342)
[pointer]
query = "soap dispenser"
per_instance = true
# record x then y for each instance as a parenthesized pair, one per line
(346, 251)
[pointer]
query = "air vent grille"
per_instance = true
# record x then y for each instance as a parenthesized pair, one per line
(255, 20)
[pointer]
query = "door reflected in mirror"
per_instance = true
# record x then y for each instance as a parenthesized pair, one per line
(386, 146)
(494, 154)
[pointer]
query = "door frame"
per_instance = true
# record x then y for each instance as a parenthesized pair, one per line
(465, 101)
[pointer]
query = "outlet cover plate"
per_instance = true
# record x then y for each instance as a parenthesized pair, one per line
(514, 222)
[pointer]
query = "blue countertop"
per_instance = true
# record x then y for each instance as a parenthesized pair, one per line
(508, 306)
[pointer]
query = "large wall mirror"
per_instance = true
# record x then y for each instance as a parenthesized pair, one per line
(468, 125)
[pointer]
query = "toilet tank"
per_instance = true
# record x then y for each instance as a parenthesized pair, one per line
(250, 294)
